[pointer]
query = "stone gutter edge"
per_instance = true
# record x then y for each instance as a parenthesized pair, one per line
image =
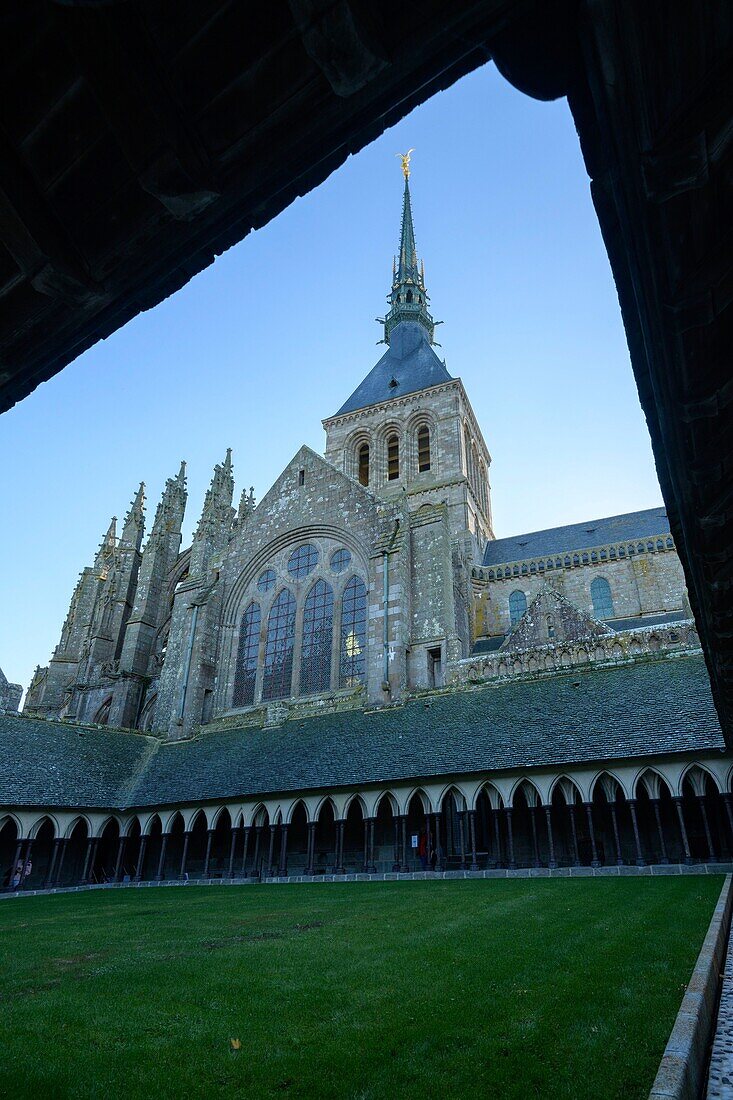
(681, 1073)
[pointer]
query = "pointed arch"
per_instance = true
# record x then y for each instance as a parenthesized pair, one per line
(493, 794)
(148, 824)
(453, 789)
(248, 651)
(101, 717)
(40, 822)
(421, 793)
(600, 594)
(322, 803)
(653, 783)
(607, 784)
(80, 819)
(567, 789)
(697, 774)
(173, 821)
(530, 792)
(517, 606)
(391, 801)
(299, 802)
(355, 797)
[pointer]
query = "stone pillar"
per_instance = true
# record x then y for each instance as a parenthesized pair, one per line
(60, 866)
(403, 860)
(207, 857)
(310, 865)
(396, 852)
(438, 848)
(283, 868)
(247, 831)
(728, 811)
(510, 837)
(497, 836)
(88, 859)
(339, 868)
(141, 857)
(461, 839)
(232, 851)
(640, 861)
(574, 832)
(365, 864)
(372, 864)
(26, 861)
(535, 845)
(270, 873)
(49, 874)
(550, 839)
(595, 862)
(16, 861)
(472, 837)
(258, 839)
(118, 861)
(658, 816)
(708, 836)
(614, 821)
(184, 857)
(161, 858)
(683, 830)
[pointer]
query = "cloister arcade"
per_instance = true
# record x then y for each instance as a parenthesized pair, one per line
(679, 812)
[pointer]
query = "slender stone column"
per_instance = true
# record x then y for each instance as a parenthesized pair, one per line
(88, 859)
(247, 831)
(365, 864)
(118, 861)
(207, 857)
(640, 861)
(683, 830)
(497, 835)
(595, 862)
(258, 838)
(310, 867)
(161, 858)
(16, 861)
(396, 824)
(232, 851)
(339, 868)
(49, 874)
(708, 836)
(550, 839)
(614, 820)
(372, 865)
(472, 836)
(283, 868)
(461, 839)
(660, 831)
(535, 845)
(510, 837)
(403, 860)
(438, 848)
(60, 866)
(728, 812)
(271, 853)
(184, 857)
(141, 857)
(574, 832)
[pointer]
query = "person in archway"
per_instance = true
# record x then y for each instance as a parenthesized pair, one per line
(422, 849)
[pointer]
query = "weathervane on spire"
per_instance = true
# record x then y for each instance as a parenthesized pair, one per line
(405, 158)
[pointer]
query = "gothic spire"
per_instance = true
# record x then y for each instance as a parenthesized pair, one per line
(109, 541)
(170, 510)
(216, 517)
(408, 297)
(134, 525)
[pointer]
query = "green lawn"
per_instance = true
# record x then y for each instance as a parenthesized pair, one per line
(553, 988)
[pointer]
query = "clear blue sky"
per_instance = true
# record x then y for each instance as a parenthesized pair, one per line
(277, 333)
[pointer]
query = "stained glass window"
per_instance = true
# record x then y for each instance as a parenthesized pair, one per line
(340, 560)
(315, 661)
(393, 458)
(352, 663)
(364, 464)
(423, 449)
(266, 580)
(600, 593)
(249, 647)
(517, 606)
(278, 668)
(302, 561)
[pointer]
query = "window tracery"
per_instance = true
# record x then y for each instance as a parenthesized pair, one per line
(315, 660)
(248, 651)
(352, 664)
(278, 665)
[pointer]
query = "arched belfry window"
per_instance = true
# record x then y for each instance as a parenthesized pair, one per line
(393, 457)
(364, 464)
(352, 662)
(517, 606)
(315, 661)
(245, 672)
(600, 593)
(278, 667)
(423, 449)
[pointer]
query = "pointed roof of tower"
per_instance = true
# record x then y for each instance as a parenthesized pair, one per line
(109, 542)
(132, 530)
(172, 504)
(410, 364)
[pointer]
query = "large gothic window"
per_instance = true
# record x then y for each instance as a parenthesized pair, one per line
(352, 663)
(364, 464)
(393, 458)
(278, 667)
(517, 606)
(249, 646)
(315, 660)
(423, 449)
(600, 593)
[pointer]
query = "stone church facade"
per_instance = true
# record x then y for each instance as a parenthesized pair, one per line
(365, 601)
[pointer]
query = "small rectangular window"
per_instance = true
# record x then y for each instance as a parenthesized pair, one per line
(301, 477)
(393, 458)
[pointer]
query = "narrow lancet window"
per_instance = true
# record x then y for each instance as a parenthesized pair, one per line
(352, 663)
(517, 606)
(278, 667)
(393, 458)
(600, 593)
(315, 661)
(364, 464)
(245, 673)
(423, 449)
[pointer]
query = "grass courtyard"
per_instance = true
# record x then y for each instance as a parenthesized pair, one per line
(552, 988)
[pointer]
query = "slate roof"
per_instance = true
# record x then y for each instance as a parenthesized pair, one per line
(578, 536)
(646, 709)
(409, 360)
(640, 621)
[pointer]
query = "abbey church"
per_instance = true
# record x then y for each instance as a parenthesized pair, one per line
(357, 659)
